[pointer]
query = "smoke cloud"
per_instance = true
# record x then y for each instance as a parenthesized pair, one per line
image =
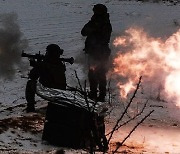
(11, 45)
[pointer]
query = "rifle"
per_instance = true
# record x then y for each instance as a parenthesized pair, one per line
(39, 57)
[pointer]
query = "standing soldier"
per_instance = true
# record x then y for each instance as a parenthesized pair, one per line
(98, 32)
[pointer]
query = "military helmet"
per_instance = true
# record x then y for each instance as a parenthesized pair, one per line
(99, 9)
(53, 50)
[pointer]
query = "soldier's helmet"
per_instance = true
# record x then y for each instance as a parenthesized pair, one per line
(100, 9)
(53, 51)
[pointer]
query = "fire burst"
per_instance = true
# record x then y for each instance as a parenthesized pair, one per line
(152, 58)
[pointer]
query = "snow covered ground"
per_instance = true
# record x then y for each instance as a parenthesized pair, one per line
(53, 21)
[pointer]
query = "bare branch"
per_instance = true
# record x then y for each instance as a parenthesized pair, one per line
(79, 83)
(131, 118)
(131, 100)
(142, 120)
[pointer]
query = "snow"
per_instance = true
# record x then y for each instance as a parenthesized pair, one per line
(52, 21)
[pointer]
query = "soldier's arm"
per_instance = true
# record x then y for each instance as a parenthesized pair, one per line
(34, 74)
(106, 33)
(88, 29)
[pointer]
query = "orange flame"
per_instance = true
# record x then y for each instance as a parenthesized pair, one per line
(152, 58)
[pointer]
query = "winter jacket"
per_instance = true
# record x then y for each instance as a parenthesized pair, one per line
(50, 72)
(98, 31)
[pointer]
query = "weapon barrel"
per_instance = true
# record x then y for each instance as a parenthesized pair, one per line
(27, 55)
(39, 57)
(36, 56)
(69, 60)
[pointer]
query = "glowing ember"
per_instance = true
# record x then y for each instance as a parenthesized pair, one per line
(93, 67)
(152, 58)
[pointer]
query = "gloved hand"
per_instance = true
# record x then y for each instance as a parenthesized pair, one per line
(32, 62)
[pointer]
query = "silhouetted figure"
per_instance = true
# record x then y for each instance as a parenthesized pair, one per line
(50, 72)
(98, 31)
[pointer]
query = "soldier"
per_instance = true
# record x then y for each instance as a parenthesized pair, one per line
(50, 72)
(98, 31)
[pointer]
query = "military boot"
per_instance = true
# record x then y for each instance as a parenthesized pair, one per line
(30, 108)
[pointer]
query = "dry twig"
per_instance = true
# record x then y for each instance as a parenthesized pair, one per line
(126, 122)
(141, 121)
(125, 110)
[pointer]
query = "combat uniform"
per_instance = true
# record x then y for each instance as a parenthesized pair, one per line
(98, 31)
